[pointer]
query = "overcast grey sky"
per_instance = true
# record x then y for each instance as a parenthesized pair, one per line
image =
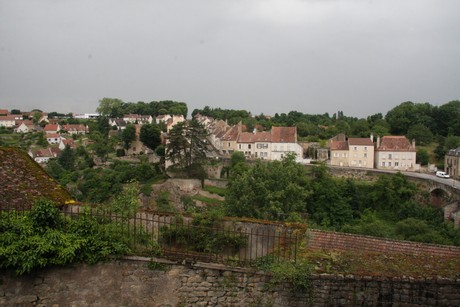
(265, 56)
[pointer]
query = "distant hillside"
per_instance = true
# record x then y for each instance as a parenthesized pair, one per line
(22, 181)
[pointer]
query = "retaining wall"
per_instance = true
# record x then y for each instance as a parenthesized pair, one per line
(133, 283)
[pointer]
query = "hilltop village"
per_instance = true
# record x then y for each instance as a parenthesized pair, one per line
(306, 198)
(54, 133)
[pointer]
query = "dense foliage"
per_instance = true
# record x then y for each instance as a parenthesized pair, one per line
(187, 144)
(43, 237)
(114, 107)
(99, 185)
(391, 206)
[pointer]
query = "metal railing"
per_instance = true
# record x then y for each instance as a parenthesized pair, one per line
(183, 238)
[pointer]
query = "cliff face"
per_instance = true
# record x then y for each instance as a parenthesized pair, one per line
(23, 181)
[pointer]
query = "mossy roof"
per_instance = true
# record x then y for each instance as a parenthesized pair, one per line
(23, 181)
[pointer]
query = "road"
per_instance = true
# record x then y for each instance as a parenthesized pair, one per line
(447, 181)
(427, 176)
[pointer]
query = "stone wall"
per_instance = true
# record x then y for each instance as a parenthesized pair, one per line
(137, 282)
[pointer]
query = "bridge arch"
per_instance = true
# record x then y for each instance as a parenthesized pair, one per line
(439, 197)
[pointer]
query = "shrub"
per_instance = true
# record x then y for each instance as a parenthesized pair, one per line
(43, 237)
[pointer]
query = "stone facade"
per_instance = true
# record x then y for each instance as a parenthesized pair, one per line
(138, 282)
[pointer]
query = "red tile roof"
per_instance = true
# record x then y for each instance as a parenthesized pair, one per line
(8, 117)
(74, 127)
(51, 127)
(339, 145)
(360, 141)
(262, 137)
(246, 137)
(395, 143)
(231, 134)
(284, 134)
(53, 135)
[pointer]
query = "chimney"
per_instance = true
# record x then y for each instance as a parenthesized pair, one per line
(372, 137)
(378, 141)
(413, 143)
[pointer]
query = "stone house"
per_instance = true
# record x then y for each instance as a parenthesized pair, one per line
(361, 152)
(273, 145)
(452, 163)
(395, 153)
(229, 140)
(339, 153)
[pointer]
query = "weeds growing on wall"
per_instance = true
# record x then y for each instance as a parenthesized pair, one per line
(297, 274)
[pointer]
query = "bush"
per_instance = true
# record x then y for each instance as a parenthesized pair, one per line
(43, 238)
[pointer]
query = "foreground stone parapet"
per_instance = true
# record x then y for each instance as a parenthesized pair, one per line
(136, 282)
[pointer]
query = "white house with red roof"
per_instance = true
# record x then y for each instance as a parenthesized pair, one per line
(284, 141)
(138, 119)
(44, 155)
(64, 142)
(395, 153)
(53, 138)
(8, 121)
(75, 129)
(26, 126)
(270, 145)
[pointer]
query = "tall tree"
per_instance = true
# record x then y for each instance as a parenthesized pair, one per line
(67, 158)
(447, 118)
(128, 135)
(110, 107)
(187, 143)
(421, 133)
(177, 145)
(150, 135)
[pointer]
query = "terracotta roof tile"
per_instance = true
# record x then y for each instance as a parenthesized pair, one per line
(246, 137)
(284, 134)
(360, 141)
(395, 143)
(339, 145)
(262, 137)
(51, 127)
(231, 134)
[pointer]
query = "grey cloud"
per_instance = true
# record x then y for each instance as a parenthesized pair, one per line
(361, 57)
